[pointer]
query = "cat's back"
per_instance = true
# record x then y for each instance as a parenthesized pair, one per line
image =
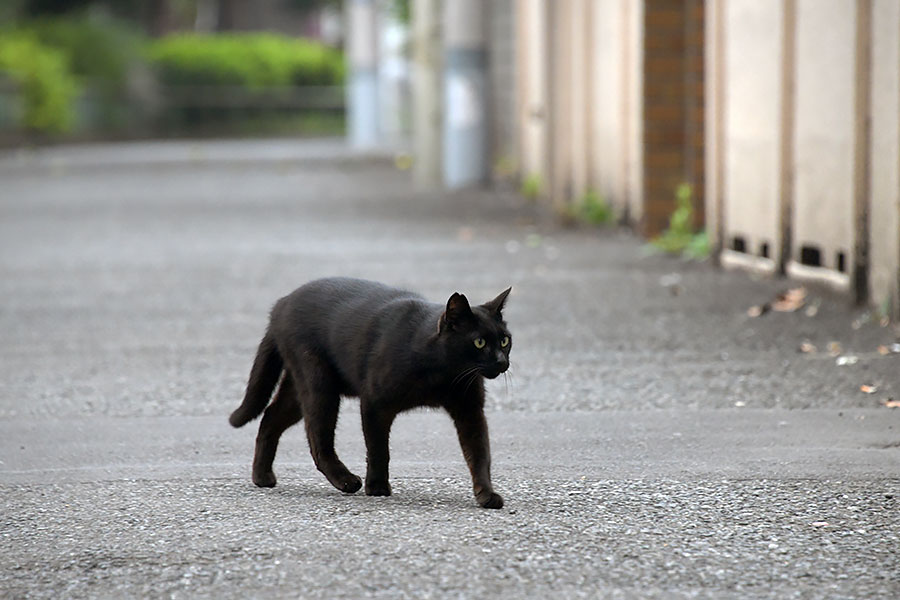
(342, 293)
(323, 306)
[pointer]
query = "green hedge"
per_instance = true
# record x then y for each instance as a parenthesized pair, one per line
(100, 51)
(47, 87)
(253, 61)
(50, 60)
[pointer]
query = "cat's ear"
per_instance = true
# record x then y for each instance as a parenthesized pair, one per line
(495, 306)
(457, 309)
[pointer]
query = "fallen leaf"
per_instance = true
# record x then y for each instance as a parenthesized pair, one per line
(891, 403)
(834, 348)
(812, 310)
(465, 234)
(846, 360)
(868, 389)
(807, 347)
(883, 350)
(758, 310)
(895, 348)
(819, 523)
(672, 282)
(790, 300)
(864, 318)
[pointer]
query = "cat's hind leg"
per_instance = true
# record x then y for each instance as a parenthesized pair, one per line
(320, 412)
(282, 413)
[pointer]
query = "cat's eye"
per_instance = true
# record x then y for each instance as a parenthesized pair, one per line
(480, 343)
(505, 341)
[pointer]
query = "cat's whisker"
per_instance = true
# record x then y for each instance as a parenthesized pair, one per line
(475, 372)
(459, 378)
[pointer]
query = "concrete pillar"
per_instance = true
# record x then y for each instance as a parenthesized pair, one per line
(362, 88)
(427, 124)
(465, 158)
(393, 78)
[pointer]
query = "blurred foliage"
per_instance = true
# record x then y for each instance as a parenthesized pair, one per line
(311, 5)
(594, 209)
(591, 208)
(250, 60)
(532, 186)
(100, 51)
(53, 7)
(84, 71)
(10, 10)
(402, 10)
(310, 123)
(260, 63)
(680, 237)
(47, 87)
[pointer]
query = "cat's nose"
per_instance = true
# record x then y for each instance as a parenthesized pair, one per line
(502, 362)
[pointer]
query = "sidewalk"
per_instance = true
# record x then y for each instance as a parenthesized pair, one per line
(653, 439)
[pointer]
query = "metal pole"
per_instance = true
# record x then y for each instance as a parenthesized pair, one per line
(362, 91)
(465, 158)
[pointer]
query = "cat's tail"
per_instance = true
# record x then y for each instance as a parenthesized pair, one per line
(263, 378)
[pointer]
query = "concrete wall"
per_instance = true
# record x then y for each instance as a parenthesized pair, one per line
(804, 140)
(633, 90)
(580, 84)
(532, 33)
(792, 118)
(752, 61)
(563, 90)
(502, 74)
(616, 79)
(885, 167)
(823, 151)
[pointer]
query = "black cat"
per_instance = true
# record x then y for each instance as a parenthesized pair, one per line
(395, 351)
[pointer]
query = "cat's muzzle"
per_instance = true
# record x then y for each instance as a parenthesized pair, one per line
(495, 370)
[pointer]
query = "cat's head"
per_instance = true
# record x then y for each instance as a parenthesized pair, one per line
(476, 337)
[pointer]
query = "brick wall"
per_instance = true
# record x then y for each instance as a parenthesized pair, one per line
(673, 108)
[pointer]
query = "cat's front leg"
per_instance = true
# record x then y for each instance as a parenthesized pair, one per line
(472, 430)
(376, 424)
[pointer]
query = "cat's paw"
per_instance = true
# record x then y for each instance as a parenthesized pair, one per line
(349, 483)
(378, 488)
(491, 501)
(264, 479)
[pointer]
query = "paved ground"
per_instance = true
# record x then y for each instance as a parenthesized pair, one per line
(653, 440)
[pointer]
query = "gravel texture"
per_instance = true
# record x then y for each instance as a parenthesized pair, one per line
(582, 538)
(143, 289)
(653, 440)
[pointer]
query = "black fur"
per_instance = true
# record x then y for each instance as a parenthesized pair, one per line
(392, 349)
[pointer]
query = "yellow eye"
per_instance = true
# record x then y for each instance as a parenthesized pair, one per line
(480, 343)
(505, 341)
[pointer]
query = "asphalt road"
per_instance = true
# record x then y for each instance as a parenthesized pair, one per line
(653, 440)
